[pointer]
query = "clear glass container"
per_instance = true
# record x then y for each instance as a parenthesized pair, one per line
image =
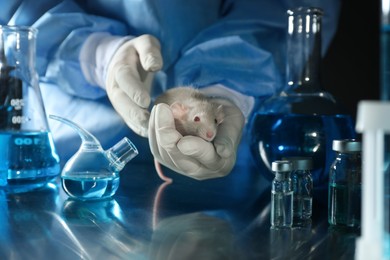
(302, 183)
(93, 173)
(281, 195)
(28, 159)
(345, 185)
(303, 120)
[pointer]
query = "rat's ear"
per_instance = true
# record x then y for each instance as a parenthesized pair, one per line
(179, 110)
(220, 115)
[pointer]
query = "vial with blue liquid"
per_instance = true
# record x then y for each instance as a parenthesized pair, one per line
(302, 120)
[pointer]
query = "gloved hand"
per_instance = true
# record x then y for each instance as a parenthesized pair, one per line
(190, 155)
(129, 79)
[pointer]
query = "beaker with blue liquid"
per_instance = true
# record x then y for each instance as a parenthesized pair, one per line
(303, 120)
(28, 159)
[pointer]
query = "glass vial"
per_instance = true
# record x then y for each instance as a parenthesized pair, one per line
(344, 197)
(302, 183)
(281, 195)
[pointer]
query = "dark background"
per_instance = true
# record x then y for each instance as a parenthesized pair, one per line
(350, 69)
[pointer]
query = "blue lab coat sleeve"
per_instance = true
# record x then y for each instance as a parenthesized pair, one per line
(62, 27)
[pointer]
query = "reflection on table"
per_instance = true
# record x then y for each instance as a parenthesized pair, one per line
(226, 218)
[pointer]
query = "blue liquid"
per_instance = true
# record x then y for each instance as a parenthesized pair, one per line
(87, 188)
(28, 159)
(274, 136)
(344, 205)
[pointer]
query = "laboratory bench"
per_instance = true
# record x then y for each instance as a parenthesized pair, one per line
(223, 218)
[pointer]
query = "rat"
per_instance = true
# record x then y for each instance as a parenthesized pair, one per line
(194, 113)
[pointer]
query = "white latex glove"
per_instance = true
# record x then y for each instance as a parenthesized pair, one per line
(190, 155)
(129, 79)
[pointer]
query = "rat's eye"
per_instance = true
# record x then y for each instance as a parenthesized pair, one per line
(197, 119)
(216, 121)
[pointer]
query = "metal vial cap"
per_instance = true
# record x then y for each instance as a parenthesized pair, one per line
(300, 163)
(347, 146)
(281, 166)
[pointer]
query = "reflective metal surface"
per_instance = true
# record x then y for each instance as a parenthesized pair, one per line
(225, 218)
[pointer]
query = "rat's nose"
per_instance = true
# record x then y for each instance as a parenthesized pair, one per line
(210, 134)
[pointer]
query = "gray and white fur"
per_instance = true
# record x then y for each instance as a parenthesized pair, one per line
(194, 113)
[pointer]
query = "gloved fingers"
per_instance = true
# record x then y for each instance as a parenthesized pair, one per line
(133, 115)
(201, 150)
(163, 139)
(211, 165)
(149, 52)
(164, 126)
(132, 68)
(152, 134)
(129, 80)
(162, 133)
(196, 158)
(178, 162)
(229, 131)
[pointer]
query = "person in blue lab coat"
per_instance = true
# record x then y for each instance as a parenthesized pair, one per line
(102, 63)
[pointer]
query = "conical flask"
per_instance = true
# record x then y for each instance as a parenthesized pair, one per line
(28, 159)
(303, 120)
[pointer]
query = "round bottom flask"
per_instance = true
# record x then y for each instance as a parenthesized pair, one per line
(302, 120)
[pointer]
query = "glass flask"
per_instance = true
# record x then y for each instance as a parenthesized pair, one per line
(302, 120)
(345, 184)
(28, 157)
(281, 195)
(92, 173)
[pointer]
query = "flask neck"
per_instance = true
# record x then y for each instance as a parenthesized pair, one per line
(304, 50)
(17, 49)
(121, 153)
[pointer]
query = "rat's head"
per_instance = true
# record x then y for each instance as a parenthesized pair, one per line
(200, 119)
